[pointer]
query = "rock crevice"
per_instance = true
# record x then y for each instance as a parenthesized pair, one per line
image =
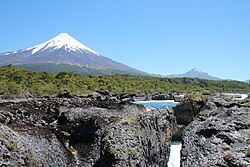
(87, 131)
(218, 136)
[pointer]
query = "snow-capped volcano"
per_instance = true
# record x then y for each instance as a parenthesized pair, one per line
(62, 40)
(64, 50)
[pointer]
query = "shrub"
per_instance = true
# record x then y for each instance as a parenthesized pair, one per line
(129, 120)
(195, 97)
(248, 151)
(13, 146)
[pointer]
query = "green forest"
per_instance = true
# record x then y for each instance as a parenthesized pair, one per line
(17, 80)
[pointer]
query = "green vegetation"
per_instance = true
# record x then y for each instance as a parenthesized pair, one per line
(132, 152)
(30, 160)
(129, 120)
(13, 146)
(56, 68)
(248, 151)
(17, 80)
(195, 97)
(71, 149)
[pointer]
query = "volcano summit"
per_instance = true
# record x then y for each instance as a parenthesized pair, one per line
(64, 53)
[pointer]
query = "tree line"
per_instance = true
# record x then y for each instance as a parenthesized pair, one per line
(17, 80)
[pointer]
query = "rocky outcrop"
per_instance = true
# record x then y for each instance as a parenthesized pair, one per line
(218, 136)
(163, 96)
(90, 131)
(138, 140)
(150, 96)
(25, 146)
(186, 110)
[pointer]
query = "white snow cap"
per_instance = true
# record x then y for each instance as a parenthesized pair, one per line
(62, 40)
(195, 70)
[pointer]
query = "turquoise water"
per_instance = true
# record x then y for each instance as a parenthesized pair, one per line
(157, 104)
(174, 159)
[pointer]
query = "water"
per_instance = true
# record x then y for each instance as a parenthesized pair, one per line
(157, 104)
(174, 159)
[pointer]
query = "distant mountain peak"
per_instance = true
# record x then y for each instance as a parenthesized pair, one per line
(194, 73)
(196, 70)
(60, 41)
(247, 81)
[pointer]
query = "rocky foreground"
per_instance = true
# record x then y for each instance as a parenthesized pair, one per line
(101, 130)
(218, 135)
(83, 131)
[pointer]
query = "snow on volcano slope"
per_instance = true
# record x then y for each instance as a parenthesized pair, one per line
(62, 40)
(64, 49)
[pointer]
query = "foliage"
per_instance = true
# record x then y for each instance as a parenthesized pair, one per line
(195, 97)
(248, 152)
(30, 160)
(17, 80)
(132, 152)
(56, 68)
(71, 149)
(12, 146)
(128, 120)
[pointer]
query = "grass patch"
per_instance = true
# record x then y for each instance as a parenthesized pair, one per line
(129, 120)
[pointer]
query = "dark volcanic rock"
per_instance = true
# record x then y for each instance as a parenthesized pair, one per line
(29, 147)
(186, 110)
(138, 140)
(164, 96)
(87, 131)
(219, 136)
(86, 127)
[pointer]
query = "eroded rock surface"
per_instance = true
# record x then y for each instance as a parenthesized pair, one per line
(138, 140)
(218, 136)
(186, 110)
(90, 131)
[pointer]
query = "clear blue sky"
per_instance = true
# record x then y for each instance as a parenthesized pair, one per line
(160, 36)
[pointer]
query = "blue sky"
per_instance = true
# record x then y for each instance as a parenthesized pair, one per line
(161, 36)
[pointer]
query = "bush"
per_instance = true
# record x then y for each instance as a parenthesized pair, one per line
(129, 120)
(248, 151)
(195, 97)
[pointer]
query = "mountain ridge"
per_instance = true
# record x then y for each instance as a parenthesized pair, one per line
(194, 73)
(247, 81)
(64, 49)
